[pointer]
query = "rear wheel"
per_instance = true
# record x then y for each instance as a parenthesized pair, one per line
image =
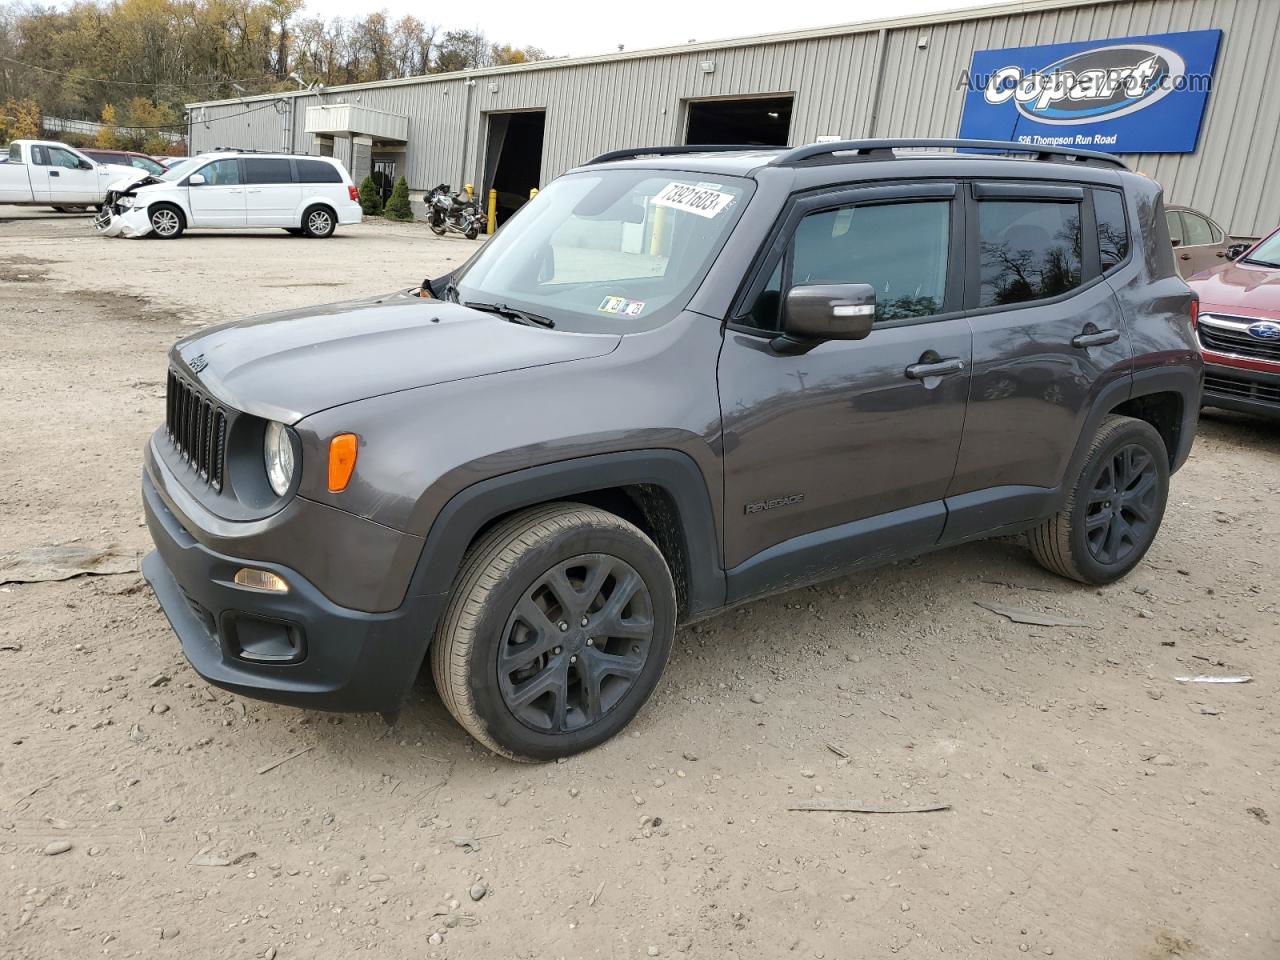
(166, 221)
(1114, 510)
(556, 633)
(318, 222)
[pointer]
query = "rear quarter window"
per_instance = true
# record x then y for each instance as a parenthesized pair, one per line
(1113, 229)
(317, 171)
(268, 170)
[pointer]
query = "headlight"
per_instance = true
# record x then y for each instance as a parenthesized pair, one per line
(125, 203)
(278, 454)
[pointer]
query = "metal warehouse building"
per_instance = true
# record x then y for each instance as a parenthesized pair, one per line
(513, 128)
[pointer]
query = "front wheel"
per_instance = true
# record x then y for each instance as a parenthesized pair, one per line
(1113, 512)
(558, 628)
(166, 221)
(437, 226)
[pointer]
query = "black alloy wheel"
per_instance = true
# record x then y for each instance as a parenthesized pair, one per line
(575, 644)
(1123, 507)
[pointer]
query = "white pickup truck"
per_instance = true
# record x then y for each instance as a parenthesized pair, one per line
(49, 174)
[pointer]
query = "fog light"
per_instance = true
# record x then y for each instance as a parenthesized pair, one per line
(261, 580)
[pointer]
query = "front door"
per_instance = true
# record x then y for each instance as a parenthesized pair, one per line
(63, 178)
(220, 200)
(384, 178)
(1048, 337)
(842, 453)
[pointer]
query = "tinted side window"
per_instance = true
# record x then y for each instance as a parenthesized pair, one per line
(1197, 229)
(317, 171)
(898, 248)
(221, 173)
(1175, 227)
(268, 170)
(1113, 234)
(1030, 250)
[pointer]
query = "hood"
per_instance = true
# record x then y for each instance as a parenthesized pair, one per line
(1239, 287)
(288, 365)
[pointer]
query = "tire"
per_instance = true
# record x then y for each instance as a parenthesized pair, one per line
(438, 229)
(1112, 514)
(167, 221)
(472, 233)
(319, 222)
(509, 657)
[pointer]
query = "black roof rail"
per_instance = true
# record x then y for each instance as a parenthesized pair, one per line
(882, 149)
(632, 152)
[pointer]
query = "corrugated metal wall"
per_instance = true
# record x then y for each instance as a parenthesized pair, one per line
(604, 104)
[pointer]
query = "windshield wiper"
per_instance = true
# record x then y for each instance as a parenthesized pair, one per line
(512, 314)
(1261, 263)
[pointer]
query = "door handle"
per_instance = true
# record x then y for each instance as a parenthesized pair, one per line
(54, 173)
(1185, 256)
(940, 368)
(1095, 339)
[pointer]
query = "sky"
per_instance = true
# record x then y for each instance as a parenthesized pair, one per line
(581, 28)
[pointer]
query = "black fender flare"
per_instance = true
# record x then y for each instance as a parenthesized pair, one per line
(1182, 379)
(472, 508)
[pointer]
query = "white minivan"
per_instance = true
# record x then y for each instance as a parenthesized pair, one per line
(305, 195)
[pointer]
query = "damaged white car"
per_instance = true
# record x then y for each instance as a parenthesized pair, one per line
(306, 196)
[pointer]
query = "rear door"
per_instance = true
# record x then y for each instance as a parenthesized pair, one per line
(220, 200)
(271, 196)
(842, 452)
(1048, 337)
(1203, 243)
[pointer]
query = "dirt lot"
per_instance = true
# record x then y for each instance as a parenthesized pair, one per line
(1098, 807)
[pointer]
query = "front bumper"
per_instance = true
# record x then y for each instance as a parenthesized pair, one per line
(297, 648)
(113, 221)
(1242, 388)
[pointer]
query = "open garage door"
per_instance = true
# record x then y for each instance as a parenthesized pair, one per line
(763, 121)
(513, 159)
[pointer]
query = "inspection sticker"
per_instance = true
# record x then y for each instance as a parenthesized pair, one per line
(698, 199)
(628, 308)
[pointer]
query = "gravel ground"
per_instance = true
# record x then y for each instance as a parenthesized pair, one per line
(1098, 808)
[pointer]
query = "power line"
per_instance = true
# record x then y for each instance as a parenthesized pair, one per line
(265, 78)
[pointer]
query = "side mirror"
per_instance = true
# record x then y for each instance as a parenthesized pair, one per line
(1236, 249)
(195, 180)
(826, 311)
(85, 164)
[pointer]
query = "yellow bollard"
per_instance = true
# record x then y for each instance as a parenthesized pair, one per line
(493, 212)
(533, 193)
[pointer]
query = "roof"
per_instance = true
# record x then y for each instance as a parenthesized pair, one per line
(985, 11)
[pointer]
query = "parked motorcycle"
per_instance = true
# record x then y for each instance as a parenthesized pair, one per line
(455, 212)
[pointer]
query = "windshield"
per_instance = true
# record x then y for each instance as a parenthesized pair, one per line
(180, 170)
(1267, 253)
(608, 250)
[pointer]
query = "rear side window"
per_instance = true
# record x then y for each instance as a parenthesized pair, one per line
(268, 170)
(1030, 250)
(898, 248)
(1197, 230)
(1113, 232)
(317, 171)
(1175, 227)
(15, 153)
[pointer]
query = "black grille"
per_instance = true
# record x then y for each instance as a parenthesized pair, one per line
(198, 428)
(1238, 342)
(1241, 389)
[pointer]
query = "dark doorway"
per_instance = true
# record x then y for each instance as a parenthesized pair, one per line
(760, 121)
(384, 177)
(513, 160)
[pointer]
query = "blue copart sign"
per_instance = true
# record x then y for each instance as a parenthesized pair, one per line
(1123, 95)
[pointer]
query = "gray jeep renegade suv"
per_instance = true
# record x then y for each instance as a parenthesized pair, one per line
(678, 379)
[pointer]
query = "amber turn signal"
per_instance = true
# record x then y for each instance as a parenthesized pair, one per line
(342, 461)
(260, 580)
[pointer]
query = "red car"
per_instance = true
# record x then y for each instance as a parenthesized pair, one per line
(125, 158)
(1239, 330)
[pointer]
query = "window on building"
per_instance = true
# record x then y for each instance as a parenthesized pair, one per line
(317, 171)
(1030, 250)
(268, 170)
(1113, 232)
(900, 249)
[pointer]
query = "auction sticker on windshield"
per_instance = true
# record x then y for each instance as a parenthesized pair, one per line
(692, 198)
(622, 305)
